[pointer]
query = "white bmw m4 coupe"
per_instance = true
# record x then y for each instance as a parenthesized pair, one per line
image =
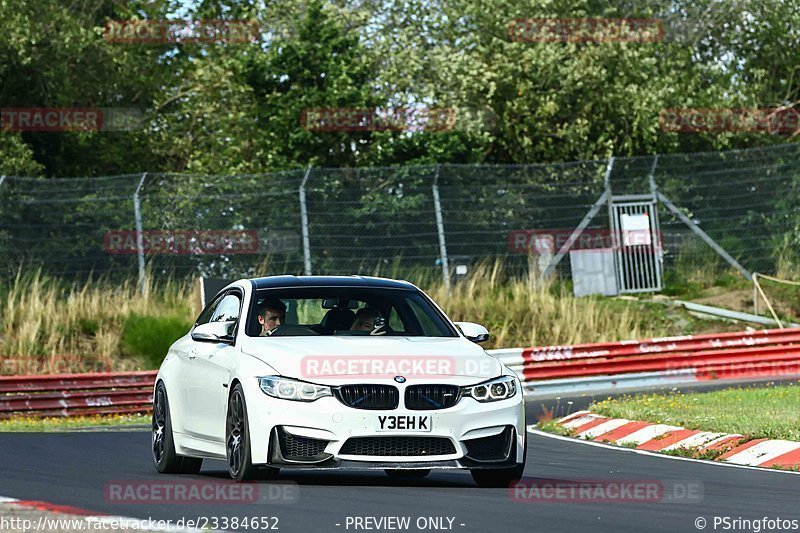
(316, 372)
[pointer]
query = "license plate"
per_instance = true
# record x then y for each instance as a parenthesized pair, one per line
(404, 423)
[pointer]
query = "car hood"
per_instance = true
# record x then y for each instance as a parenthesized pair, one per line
(332, 359)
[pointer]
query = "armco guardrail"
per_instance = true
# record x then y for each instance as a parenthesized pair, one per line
(76, 394)
(672, 360)
(545, 370)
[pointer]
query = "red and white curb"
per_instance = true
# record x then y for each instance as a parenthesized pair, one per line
(737, 449)
(92, 518)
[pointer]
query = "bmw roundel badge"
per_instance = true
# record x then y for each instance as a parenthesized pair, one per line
(400, 379)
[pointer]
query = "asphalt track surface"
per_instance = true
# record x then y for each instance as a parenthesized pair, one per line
(75, 469)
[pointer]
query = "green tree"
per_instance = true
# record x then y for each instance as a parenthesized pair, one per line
(54, 55)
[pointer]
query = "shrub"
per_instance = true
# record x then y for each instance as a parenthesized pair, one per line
(149, 337)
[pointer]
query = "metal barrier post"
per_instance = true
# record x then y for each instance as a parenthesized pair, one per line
(437, 206)
(137, 212)
(304, 224)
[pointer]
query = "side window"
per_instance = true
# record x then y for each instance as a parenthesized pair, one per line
(428, 327)
(205, 316)
(227, 310)
(395, 323)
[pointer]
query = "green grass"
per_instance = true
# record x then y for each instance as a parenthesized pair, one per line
(29, 424)
(764, 412)
(795, 468)
(149, 337)
(690, 283)
(552, 426)
(706, 455)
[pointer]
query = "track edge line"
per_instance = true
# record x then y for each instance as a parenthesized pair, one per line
(534, 430)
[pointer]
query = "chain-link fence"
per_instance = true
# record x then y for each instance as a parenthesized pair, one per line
(366, 220)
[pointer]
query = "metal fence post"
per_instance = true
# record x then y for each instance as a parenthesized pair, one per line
(437, 206)
(137, 212)
(304, 224)
(609, 194)
(656, 225)
(2, 179)
(652, 178)
(612, 224)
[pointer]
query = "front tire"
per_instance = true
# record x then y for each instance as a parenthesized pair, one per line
(497, 477)
(237, 441)
(162, 443)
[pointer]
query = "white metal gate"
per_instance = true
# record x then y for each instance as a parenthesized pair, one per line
(636, 240)
(637, 243)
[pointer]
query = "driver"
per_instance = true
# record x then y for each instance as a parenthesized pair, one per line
(271, 314)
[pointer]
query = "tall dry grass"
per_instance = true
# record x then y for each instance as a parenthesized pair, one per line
(533, 311)
(788, 260)
(49, 327)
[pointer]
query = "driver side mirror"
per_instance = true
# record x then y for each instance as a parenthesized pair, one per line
(214, 332)
(474, 332)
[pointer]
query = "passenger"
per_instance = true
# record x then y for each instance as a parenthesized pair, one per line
(271, 314)
(369, 319)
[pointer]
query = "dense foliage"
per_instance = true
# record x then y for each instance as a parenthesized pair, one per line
(213, 107)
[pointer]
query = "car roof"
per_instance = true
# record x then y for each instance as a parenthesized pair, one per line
(280, 282)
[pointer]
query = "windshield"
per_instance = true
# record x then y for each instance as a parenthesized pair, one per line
(350, 311)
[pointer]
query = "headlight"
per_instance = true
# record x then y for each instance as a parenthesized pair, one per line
(292, 389)
(493, 390)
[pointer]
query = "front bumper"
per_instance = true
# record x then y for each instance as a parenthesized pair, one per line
(468, 435)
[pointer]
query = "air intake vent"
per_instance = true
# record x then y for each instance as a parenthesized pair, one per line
(296, 448)
(494, 448)
(398, 446)
(368, 396)
(428, 397)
